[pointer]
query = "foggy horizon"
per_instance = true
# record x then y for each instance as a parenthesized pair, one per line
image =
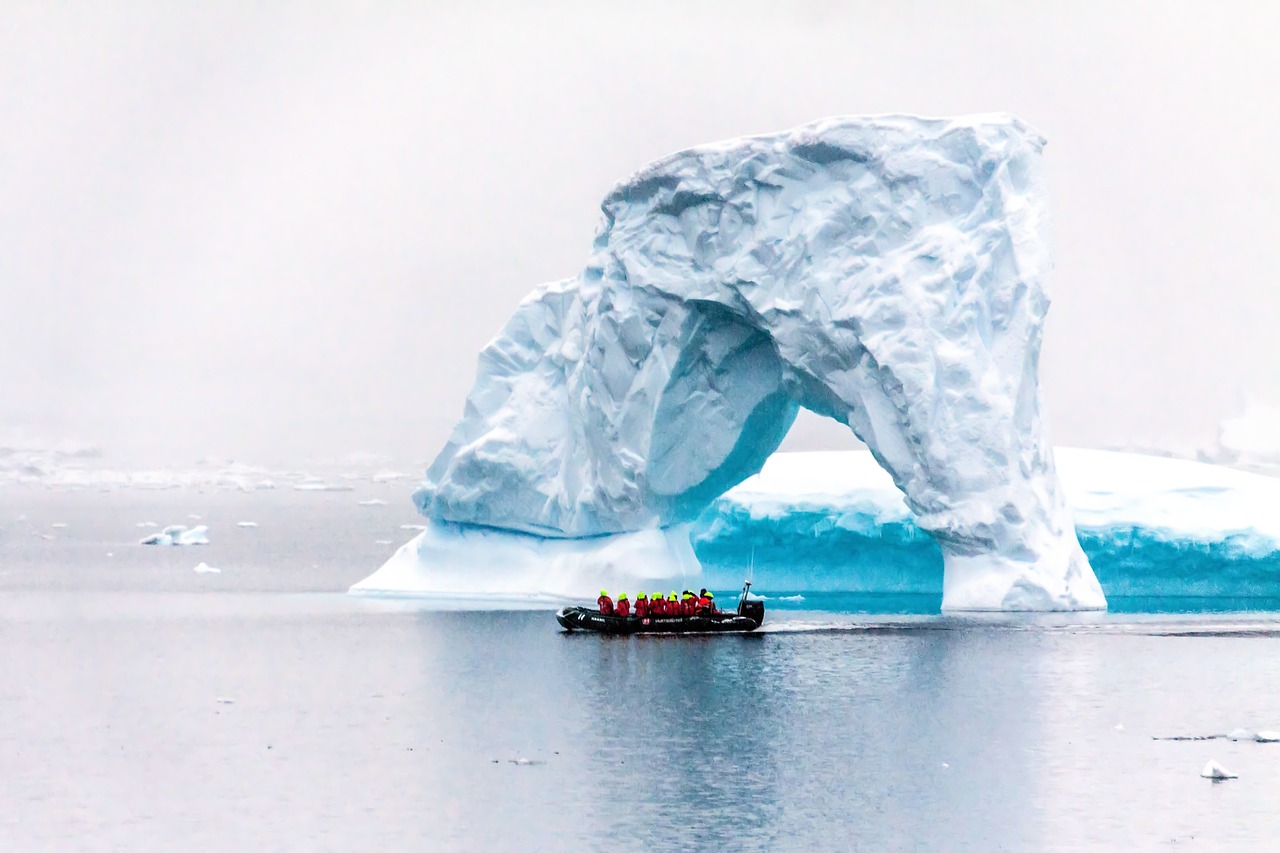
(279, 233)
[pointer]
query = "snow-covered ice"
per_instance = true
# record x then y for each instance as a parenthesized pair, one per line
(1214, 770)
(373, 502)
(246, 524)
(206, 569)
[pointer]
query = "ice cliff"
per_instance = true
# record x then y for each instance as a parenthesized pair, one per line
(888, 272)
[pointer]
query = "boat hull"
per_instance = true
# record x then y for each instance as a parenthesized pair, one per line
(585, 619)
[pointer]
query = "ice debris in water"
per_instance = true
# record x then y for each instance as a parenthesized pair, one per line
(147, 524)
(889, 272)
(246, 524)
(193, 516)
(178, 534)
(1214, 770)
(206, 569)
(225, 700)
(58, 525)
(373, 502)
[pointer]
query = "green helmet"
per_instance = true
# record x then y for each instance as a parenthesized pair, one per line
(621, 596)
(710, 594)
(604, 594)
(641, 595)
(672, 596)
(657, 595)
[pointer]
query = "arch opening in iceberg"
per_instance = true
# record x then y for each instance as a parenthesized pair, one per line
(888, 272)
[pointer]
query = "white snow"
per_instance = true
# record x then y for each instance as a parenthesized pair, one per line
(889, 272)
(206, 569)
(178, 534)
(1214, 770)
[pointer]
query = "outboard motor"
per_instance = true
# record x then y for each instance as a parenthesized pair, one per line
(753, 610)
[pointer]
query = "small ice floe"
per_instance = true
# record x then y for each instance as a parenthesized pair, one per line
(21, 518)
(179, 534)
(382, 542)
(46, 536)
(388, 476)
(147, 524)
(193, 516)
(1240, 734)
(206, 569)
(246, 524)
(58, 525)
(321, 486)
(1119, 727)
(413, 527)
(109, 554)
(225, 700)
(264, 484)
(791, 598)
(524, 762)
(1215, 771)
(1267, 736)
(946, 765)
(373, 502)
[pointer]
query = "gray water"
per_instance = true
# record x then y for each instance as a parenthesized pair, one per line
(147, 707)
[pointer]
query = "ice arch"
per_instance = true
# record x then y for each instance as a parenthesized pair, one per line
(888, 272)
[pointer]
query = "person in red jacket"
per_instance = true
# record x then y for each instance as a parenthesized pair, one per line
(642, 606)
(706, 603)
(657, 604)
(624, 607)
(605, 603)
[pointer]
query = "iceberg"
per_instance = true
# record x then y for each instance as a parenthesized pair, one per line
(1152, 527)
(888, 272)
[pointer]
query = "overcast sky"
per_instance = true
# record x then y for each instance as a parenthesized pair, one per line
(274, 231)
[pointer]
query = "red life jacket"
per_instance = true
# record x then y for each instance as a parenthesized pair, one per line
(705, 607)
(605, 603)
(624, 607)
(642, 607)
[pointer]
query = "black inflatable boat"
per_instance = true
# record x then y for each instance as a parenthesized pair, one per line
(748, 617)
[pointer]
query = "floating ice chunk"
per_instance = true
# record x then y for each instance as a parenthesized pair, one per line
(1215, 771)
(58, 525)
(413, 527)
(264, 484)
(373, 502)
(225, 700)
(1119, 727)
(178, 534)
(1240, 734)
(246, 524)
(193, 516)
(147, 524)
(322, 487)
(46, 536)
(525, 762)
(1267, 736)
(206, 569)
(791, 598)
(388, 476)
(382, 542)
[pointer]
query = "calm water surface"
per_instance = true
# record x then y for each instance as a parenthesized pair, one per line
(148, 707)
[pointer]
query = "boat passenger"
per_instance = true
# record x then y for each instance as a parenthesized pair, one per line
(605, 603)
(706, 603)
(642, 605)
(673, 604)
(687, 606)
(624, 607)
